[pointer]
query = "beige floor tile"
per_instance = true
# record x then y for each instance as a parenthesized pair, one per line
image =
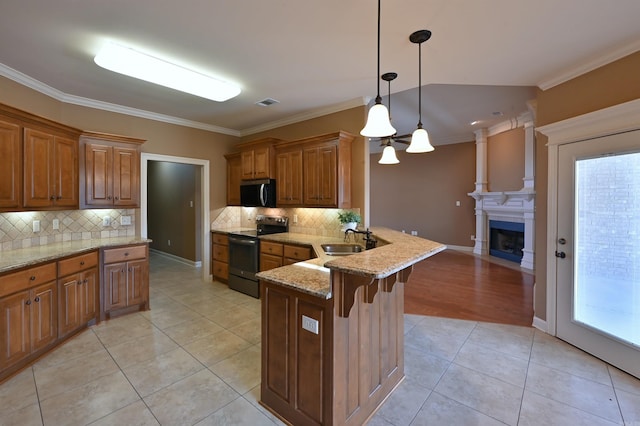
(133, 414)
(538, 410)
(241, 371)
(630, 407)
(492, 397)
(90, 402)
(191, 399)
(144, 348)
(440, 342)
(206, 307)
(404, 403)
(239, 412)
(253, 397)
(580, 393)
(80, 345)
(624, 381)
(493, 363)
(425, 369)
(18, 392)
(74, 373)
(152, 375)
(231, 317)
(189, 331)
(165, 318)
(213, 349)
(440, 410)
(512, 341)
(124, 329)
(26, 415)
(249, 331)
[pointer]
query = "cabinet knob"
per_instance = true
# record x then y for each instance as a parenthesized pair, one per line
(108, 197)
(126, 253)
(52, 198)
(85, 281)
(32, 277)
(82, 263)
(28, 302)
(37, 299)
(58, 197)
(116, 198)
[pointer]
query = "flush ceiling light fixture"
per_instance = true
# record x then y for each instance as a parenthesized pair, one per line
(378, 123)
(127, 61)
(420, 138)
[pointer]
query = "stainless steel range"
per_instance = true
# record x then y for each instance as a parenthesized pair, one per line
(244, 253)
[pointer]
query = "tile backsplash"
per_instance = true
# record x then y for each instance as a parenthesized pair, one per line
(17, 229)
(313, 221)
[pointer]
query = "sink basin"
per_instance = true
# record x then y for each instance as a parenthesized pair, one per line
(341, 249)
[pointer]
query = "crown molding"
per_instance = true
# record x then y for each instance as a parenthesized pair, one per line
(308, 115)
(60, 96)
(513, 123)
(590, 65)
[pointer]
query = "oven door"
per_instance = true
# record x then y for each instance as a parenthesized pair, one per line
(243, 264)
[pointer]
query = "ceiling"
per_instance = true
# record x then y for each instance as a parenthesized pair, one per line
(483, 62)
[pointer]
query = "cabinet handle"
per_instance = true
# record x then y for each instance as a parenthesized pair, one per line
(85, 281)
(126, 253)
(116, 198)
(32, 277)
(37, 299)
(28, 302)
(58, 197)
(82, 263)
(108, 197)
(52, 198)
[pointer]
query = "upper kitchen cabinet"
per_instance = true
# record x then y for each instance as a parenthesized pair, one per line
(258, 159)
(110, 166)
(289, 177)
(38, 162)
(234, 177)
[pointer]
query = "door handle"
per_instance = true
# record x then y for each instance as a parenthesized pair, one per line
(561, 254)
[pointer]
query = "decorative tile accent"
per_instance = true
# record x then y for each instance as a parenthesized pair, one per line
(16, 229)
(311, 221)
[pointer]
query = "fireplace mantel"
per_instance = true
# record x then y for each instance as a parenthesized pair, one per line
(503, 197)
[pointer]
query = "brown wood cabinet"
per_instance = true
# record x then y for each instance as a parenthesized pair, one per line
(28, 313)
(273, 255)
(10, 166)
(78, 292)
(125, 280)
(321, 175)
(256, 163)
(110, 169)
(220, 256)
(234, 178)
(289, 177)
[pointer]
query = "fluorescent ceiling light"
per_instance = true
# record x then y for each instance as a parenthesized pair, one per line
(135, 64)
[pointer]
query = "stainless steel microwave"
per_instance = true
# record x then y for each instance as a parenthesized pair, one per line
(258, 193)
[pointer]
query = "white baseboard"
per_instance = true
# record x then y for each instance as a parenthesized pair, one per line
(460, 248)
(197, 264)
(540, 324)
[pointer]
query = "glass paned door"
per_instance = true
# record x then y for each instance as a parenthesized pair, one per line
(598, 248)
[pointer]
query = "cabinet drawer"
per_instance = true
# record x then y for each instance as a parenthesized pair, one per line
(221, 253)
(77, 263)
(271, 248)
(297, 252)
(27, 278)
(221, 239)
(125, 253)
(220, 270)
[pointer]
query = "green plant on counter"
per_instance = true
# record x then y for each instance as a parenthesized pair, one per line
(349, 216)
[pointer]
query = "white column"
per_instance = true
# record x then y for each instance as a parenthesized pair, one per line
(529, 156)
(481, 244)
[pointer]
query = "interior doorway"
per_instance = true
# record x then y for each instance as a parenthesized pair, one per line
(202, 225)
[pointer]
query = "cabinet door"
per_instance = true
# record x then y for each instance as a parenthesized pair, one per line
(269, 261)
(234, 177)
(15, 331)
(89, 295)
(44, 316)
(125, 177)
(137, 282)
(311, 176)
(328, 173)
(65, 172)
(69, 316)
(247, 164)
(38, 170)
(115, 286)
(261, 163)
(10, 166)
(98, 174)
(289, 178)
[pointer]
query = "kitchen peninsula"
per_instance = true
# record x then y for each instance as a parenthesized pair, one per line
(333, 329)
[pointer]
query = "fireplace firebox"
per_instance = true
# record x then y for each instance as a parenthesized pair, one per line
(506, 240)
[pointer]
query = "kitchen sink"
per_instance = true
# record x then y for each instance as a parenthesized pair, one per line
(341, 249)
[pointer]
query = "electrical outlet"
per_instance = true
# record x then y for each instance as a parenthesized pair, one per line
(36, 226)
(473, 237)
(56, 224)
(457, 203)
(125, 220)
(106, 221)
(414, 233)
(310, 324)
(190, 203)
(295, 218)
(169, 242)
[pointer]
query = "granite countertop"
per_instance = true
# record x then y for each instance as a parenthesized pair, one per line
(395, 251)
(19, 258)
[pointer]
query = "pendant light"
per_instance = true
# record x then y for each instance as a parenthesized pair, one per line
(420, 138)
(389, 152)
(378, 123)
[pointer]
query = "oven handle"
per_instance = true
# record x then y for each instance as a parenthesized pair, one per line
(242, 241)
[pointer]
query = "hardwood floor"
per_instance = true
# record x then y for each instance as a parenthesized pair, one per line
(454, 284)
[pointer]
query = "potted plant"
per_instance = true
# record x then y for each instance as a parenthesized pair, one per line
(349, 219)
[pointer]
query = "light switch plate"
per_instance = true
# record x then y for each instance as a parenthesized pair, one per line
(36, 226)
(106, 221)
(56, 224)
(310, 324)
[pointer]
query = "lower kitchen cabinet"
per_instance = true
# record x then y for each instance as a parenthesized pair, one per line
(28, 317)
(79, 292)
(220, 256)
(274, 255)
(125, 279)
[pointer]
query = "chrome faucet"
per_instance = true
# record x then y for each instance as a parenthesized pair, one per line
(369, 241)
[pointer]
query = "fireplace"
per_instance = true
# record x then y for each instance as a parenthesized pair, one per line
(506, 240)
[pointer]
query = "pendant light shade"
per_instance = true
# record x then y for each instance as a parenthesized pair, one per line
(388, 155)
(378, 123)
(420, 138)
